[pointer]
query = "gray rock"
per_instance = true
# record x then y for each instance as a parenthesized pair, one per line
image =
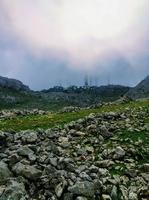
(81, 198)
(14, 191)
(53, 161)
(29, 137)
(106, 197)
(105, 132)
(81, 151)
(103, 172)
(114, 193)
(60, 188)
(78, 133)
(32, 157)
(68, 196)
(27, 171)
(91, 128)
(145, 167)
(85, 176)
(14, 158)
(85, 188)
(119, 153)
(145, 176)
(24, 151)
(133, 196)
(104, 163)
(4, 172)
(124, 191)
(130, 172)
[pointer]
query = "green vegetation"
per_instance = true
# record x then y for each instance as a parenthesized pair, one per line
(118, 169)
(52, 120)
(139, 139)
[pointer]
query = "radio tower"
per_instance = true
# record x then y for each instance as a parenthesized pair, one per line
(86, 81)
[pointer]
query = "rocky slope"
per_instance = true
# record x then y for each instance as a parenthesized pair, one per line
(12, 84)
(10, 114)
(101, 157)
(141, 90)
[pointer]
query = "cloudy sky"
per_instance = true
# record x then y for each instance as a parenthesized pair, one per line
(51, 42)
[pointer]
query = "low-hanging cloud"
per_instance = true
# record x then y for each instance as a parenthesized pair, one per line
(81, 34)
(80, 30)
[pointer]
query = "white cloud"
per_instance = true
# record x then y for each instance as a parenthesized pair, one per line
(80, 30)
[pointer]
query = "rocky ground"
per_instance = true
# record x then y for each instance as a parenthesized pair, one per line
(100, 157)
(9, 114)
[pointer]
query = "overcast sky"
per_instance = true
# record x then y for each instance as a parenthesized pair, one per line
(52, 42)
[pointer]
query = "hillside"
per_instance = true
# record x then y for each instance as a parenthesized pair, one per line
(12, 84)
(141, 90)
(97, 152)
(14, 94)
(12, 98)
(84, 96)
(101, 154)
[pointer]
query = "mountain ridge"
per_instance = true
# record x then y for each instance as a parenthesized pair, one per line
(13, 84)
(141, 90)
(14, 94)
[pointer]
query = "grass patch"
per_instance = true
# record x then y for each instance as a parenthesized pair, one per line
(118, 169)
(52, 120)
(135, 136)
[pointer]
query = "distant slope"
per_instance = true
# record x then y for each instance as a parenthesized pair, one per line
(11, 98)
(141, 90)
(12, 84)
(84, 96)
(14, 94)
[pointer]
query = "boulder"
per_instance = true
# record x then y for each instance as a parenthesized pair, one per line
(14, 191)
(119, 153)
(24, 151)
(29, 137)
(85, 188)
(5, 173)
(27, 171)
